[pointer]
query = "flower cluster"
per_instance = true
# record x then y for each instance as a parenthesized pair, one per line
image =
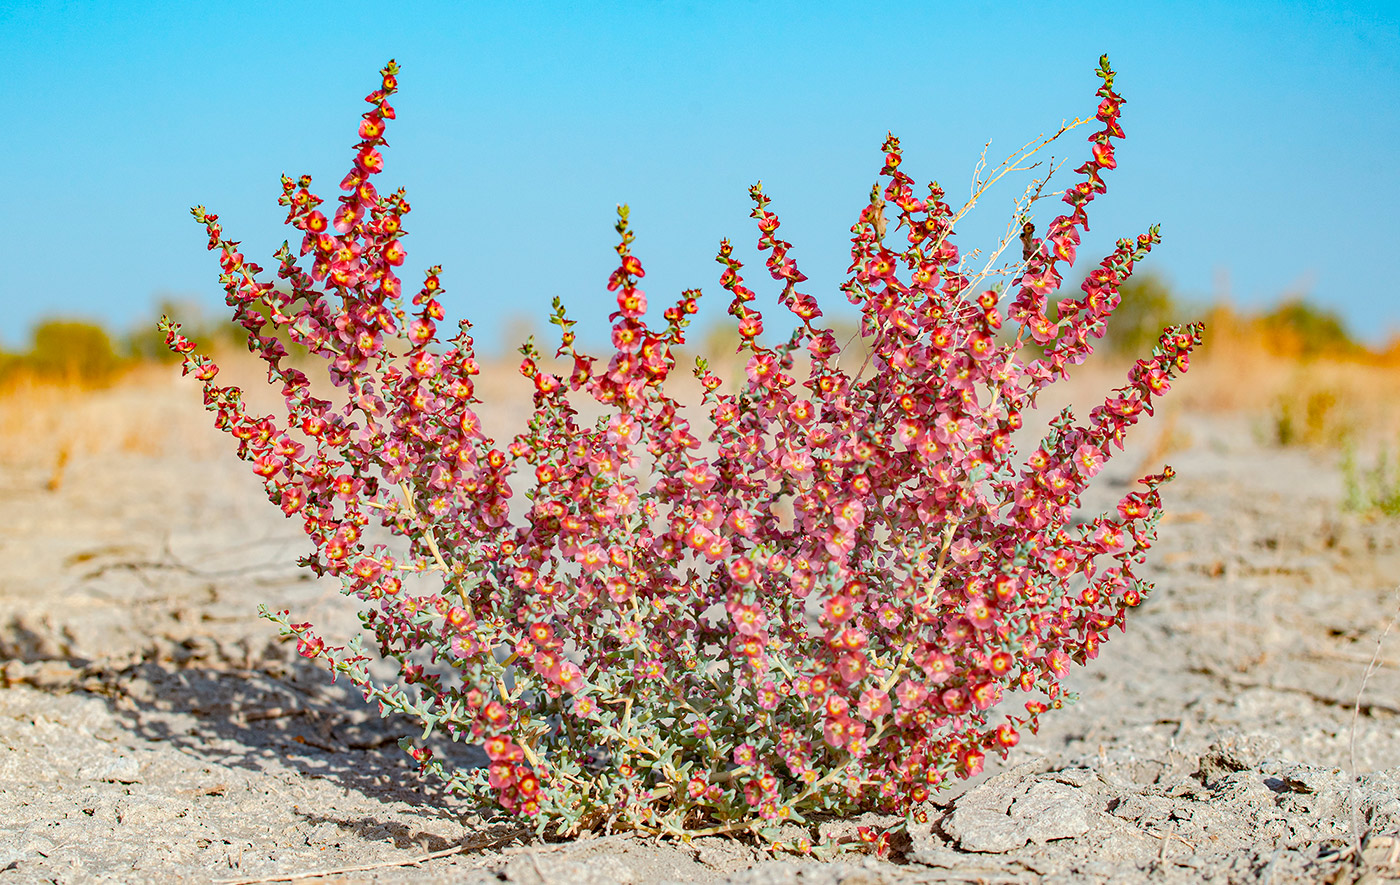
(820, 608)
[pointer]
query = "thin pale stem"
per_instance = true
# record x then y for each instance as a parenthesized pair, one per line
(432, 543)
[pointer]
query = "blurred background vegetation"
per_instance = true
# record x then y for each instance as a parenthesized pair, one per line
(75, 351)
(1292, 373)
(79, 353)
(1294, 367)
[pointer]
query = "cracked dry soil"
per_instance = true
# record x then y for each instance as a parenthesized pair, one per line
(153, 729)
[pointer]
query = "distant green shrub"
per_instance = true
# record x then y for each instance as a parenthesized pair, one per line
(1376, 490)
(145, 343)
(1300, 328)
(71, 350)
(1146, 308)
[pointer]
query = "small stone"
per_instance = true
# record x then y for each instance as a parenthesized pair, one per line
(931, 855)
(1235, 753)
(985, 830)
(119, 770)
(1075, 777)
(1051, 810)
(147, 813)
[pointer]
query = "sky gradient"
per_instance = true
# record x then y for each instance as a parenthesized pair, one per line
(1261, 136)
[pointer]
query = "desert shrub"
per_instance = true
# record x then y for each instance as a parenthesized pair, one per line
(1389, 353)
(1145, 307)
(649, 647)
(1299, 328)
(67, 351)
(146, 343)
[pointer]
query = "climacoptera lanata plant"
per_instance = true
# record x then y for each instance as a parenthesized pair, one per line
(650, 644)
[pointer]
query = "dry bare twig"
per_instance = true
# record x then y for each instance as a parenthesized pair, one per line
(1351, 738)
(316, 874)
(424, 858)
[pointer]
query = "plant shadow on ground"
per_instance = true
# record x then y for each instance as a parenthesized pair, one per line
(284, 710)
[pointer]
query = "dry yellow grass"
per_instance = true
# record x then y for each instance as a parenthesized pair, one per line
(1324, 400)
(152, 411)
(44, 422)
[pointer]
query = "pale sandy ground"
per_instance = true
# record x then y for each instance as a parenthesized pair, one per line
(153, 729)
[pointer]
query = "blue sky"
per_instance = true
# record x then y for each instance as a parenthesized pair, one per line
(1262, 136)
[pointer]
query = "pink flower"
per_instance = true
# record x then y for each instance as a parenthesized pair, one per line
(840, 545)
(346, 217)
(1088, 460)
(1109, 538)
(985, 695)
(955, 700)
(908, 431)
(267, 465)
(1062, 563)
(979, 613)
(743, 522)
(625, 429)
(801, 411)
(888, 617)
(741, 570)
(838, 610)
(849, 515)
(963, 550)
(592, 557)
(700, 477)
(698, 537)
(760, 369)
(911, 695)
(710, 513)
(937, 667)
(619, 589)
(745, 755)
(622, 501)
(873, 704)
(851, 667)
(768, 697)
(796, 464)
(835, 731)
(970, 762)
(749, 620)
